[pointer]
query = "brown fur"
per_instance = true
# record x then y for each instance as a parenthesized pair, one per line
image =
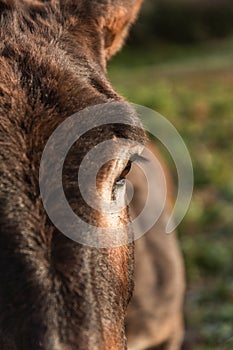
(157, 301)
(56, 294)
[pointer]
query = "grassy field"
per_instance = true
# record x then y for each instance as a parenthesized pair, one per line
(193, 88)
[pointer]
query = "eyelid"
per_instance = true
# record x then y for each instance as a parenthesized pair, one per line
(125, 172)
(133, 159)
(136, 158)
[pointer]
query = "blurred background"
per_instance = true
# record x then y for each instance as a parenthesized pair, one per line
(179, 62)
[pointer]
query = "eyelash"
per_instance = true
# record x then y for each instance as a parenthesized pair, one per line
(135, 158)
(121, 179)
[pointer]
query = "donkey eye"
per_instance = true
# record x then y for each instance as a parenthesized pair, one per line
(126, 170)
(121, 179)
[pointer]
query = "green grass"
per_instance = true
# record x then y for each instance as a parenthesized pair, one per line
(193, 88)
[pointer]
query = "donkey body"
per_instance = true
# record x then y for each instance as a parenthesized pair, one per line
(56, 294)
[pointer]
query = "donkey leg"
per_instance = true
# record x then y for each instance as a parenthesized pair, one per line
(176, 340)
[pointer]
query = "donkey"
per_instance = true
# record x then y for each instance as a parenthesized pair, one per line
(56, 294)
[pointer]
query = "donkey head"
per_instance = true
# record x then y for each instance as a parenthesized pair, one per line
(56, 294)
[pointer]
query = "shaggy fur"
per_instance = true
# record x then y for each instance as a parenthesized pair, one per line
(56, 294)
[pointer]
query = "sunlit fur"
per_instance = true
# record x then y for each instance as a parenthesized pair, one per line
(56, 294)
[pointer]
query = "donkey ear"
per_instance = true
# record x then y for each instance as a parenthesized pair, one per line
(112, 17)
(118, 17)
